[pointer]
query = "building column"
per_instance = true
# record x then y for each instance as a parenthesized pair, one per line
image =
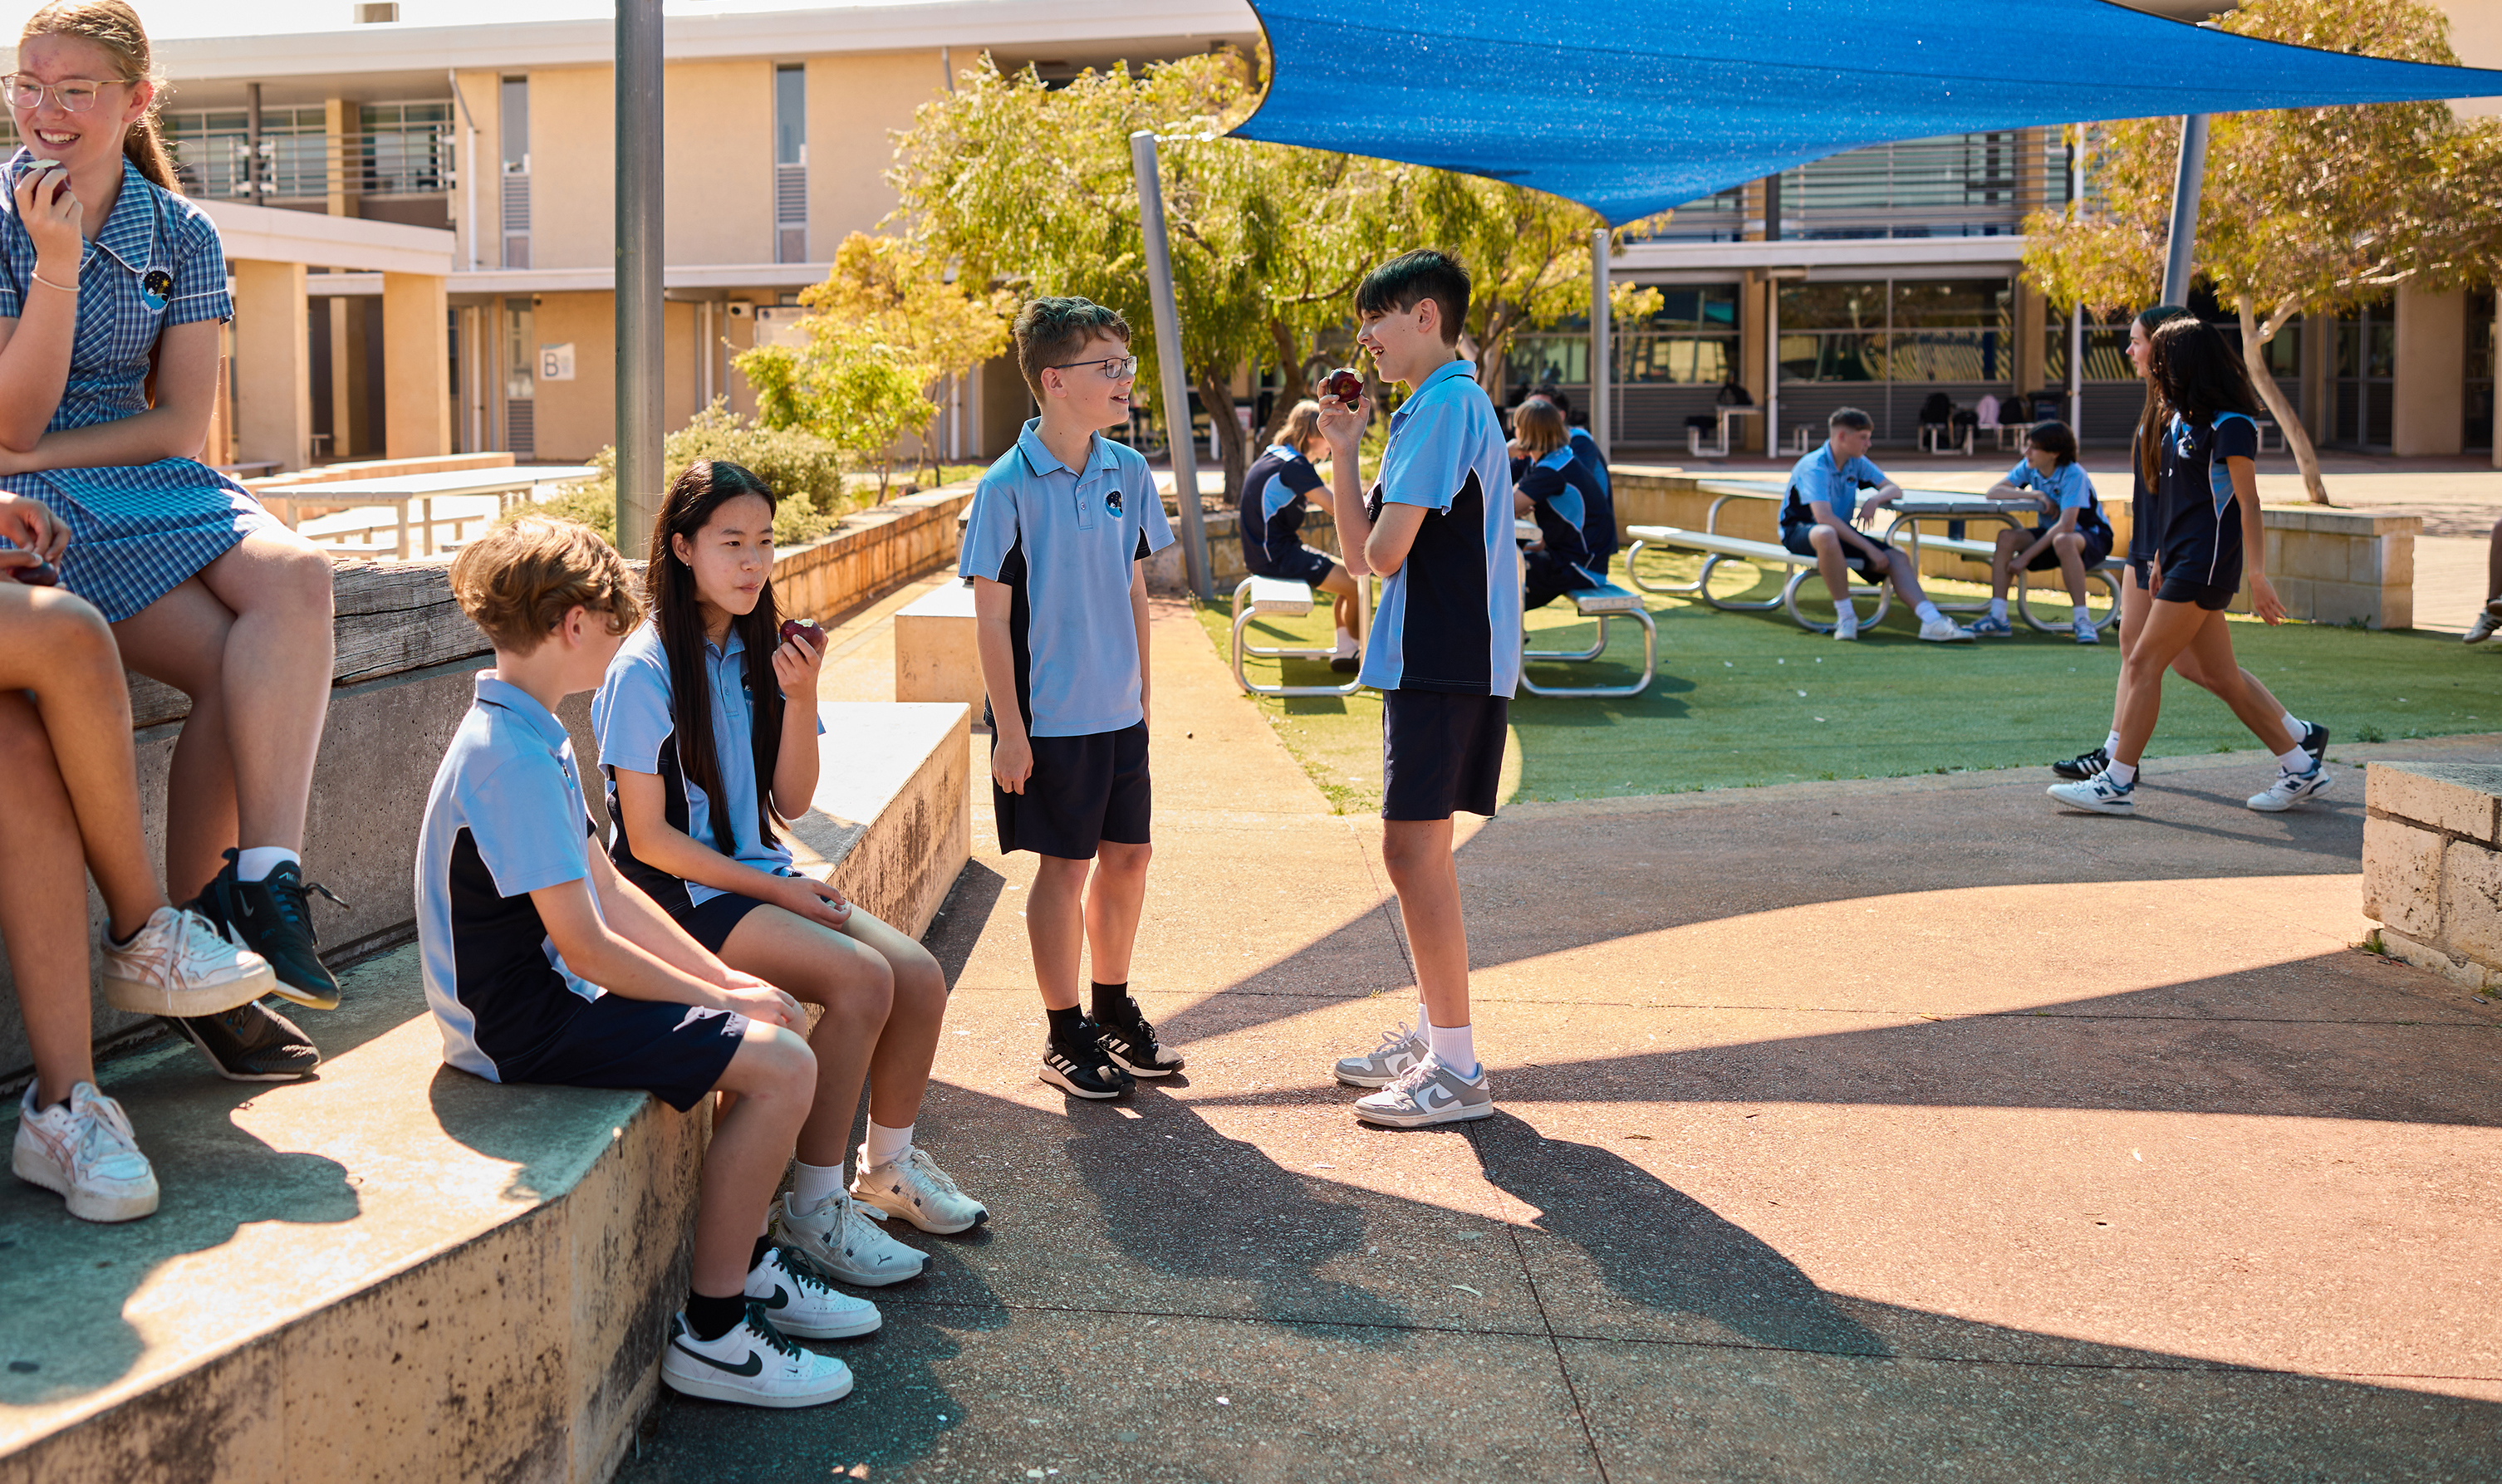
(416, 362)
(2031, 313)
(273, 415)
(2429, 398)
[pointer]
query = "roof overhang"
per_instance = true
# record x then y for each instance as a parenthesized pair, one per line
(268, 234)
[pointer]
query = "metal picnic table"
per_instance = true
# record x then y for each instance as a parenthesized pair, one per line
(509, 484)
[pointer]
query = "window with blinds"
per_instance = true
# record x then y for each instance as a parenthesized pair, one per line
(791, 164)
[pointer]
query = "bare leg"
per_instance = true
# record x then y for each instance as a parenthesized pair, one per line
(2002, 563)
(276, 678)
(2493, 565)
(774, 1077)
(1113, 901)
(180, 640)
(898, 1070)
(1906, 576)
(1341, 586)
(815, 964)
(2071, 548)
(43, 912)
(2258, 711)
(1417, 854)
(1055, 927)
(1827, 545)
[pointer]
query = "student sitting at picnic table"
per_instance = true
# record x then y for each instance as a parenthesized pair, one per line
(1552, 488)
(1274, 503)
(2075, 542)
(1817, 515)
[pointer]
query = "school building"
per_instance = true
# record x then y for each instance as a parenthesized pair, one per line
(421, 223)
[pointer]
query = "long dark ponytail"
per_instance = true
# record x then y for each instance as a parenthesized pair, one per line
(701, 488)
(2197, 375)
(2150, 420)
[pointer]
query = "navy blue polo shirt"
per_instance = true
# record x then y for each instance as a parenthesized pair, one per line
(1449, 618)
(1066, 543)
(1273, 503)
(1598, 528)
(505, 817)
(1559, 495)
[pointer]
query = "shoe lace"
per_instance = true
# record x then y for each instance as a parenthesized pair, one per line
(1394, 1038)
(795, 1266)
(1413, 1077)
(774, 1339)
(106, 1132)
(919, 1163)
(289, 893)
(851, 1228)
(197, 940)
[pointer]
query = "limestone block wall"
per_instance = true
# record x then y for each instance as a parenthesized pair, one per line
(2432, 866)
(871, 551)
(1165, 569)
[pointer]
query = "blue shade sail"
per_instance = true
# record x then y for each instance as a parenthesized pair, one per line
(1631, 107)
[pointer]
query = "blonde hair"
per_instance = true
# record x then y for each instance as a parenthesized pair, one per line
(115, 26)
(1302, 425)
(1539, 425)
(518, 581)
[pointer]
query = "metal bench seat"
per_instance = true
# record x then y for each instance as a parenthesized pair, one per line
(1603, 602)
(1279, 597)
(1717, 549)
(2104, 571)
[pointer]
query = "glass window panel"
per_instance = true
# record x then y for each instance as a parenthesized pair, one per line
(1979, 303)
(516, 124)
(1833, 358)
(1953, 355)
(1833, 306)
(790, 115)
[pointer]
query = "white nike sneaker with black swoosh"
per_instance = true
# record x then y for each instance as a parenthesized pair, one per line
(1426, 1094)
(801, 1303)
(753, 1363)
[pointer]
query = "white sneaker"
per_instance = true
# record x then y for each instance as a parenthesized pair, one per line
(83, 1149)
(800, 1302)
(1845, 626)
(180, 965)
(2097, 795)
(2488, 621)
(1429, 1093)
(843, 1243)
(753, 1363)
(2291, 789)
(914, 1188)
(1944, 631)
(1401, 1048)
(2086, 633)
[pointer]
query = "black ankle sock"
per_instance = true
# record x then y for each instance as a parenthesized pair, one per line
(710, 1318)
(1064, 1023)
(1111, 1000)
(764, 1245)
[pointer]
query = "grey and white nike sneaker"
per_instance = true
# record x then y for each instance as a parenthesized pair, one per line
(1429, 1093)
(753, 1363)
(842, 1242)
(1401, 1047)
(2291, 789)
(800, 1302)
(913, 1187)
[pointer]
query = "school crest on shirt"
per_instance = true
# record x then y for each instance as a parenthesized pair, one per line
(1112, 502)
(157, 285)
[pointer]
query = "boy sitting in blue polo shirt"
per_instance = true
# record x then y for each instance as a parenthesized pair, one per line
(1445, 651)
(1052, 548)
(1816, 517)
(1551, 486)
(2074, 540)
(543, 966)
(1275, 502)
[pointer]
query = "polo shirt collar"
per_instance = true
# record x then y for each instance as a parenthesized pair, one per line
(732, 645)
(129, 234)
(1463, 366)
(503, 693)
(1556, 459)
(1041, 460)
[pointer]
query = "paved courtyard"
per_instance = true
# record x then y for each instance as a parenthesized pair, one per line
(1856, 1131)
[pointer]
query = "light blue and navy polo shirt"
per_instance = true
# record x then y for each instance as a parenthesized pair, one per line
(1818, 478)
(1598, 525)
(1449, 618)
(1273, 503)
(1559, 493)
(505, 817)
(635, 719)
(2067, 486)
(1066, 543)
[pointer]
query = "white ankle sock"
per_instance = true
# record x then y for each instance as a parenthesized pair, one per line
(255, 863)
(2111, 744)
(2082, 615)
(2294, 759)
(1998, 609)
(2121, 772)
(811, 1183)
(1424, 1022)
(1927, 612)
(1455, 1047)
(886, 1144)
(2295, 724)
(1347, 638)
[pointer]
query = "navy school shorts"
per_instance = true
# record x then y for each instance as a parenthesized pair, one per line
(676, 1053)
(1302, 564)
(1083, 790)
(710, 921)
(1794, 538)
(2097, 547)
(1440, 753)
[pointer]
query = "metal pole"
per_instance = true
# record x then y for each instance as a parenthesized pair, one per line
(252, 143)
(2077, 313)
(639, 277)
(1772, 366)
(1175, 385)
(1603, 345)
(2185, 184)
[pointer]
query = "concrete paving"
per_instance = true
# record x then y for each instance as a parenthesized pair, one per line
(1853, 1130)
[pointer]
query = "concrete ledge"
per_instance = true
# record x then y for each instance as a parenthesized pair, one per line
(892, 822)
(1165, 569)
(937, 655)
(869, 552)
(2432, 866)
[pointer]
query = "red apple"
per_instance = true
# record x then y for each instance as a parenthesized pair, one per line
(793, 627)
(41, 574)
(1344, 384)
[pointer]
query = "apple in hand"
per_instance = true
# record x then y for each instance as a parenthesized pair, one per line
(41, 574)
(793, 629)
(1344, 384)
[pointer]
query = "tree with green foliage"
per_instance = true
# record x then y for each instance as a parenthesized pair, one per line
(2305, 212)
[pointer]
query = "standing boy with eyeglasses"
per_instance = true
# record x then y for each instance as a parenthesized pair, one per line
(1444, 652)
(1052, 548)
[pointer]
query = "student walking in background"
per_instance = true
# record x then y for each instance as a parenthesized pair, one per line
(1277, 494)
(2073, 542)
(707, 729)
(2205, 486)
(2137, 587)
(112, 291)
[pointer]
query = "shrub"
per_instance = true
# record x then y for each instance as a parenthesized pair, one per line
(804, 469)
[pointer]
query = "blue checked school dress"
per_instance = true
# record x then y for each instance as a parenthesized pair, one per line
(136, 533)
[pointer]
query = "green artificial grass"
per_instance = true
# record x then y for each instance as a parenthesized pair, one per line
(1747, 699)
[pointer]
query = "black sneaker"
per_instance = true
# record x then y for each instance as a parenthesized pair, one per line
(1131, 1042)
(2082, 765)
(1081, 1065)
(2314, 741)
(250, 1043)
(269, 917)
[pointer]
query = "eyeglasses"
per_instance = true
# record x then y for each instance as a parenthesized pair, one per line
(75, 95)
(1115, 367)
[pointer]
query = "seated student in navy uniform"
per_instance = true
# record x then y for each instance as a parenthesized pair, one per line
(1275, 502)
(1598, 513)
(1818, 516)
(2074, 541)
(1551, 487)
